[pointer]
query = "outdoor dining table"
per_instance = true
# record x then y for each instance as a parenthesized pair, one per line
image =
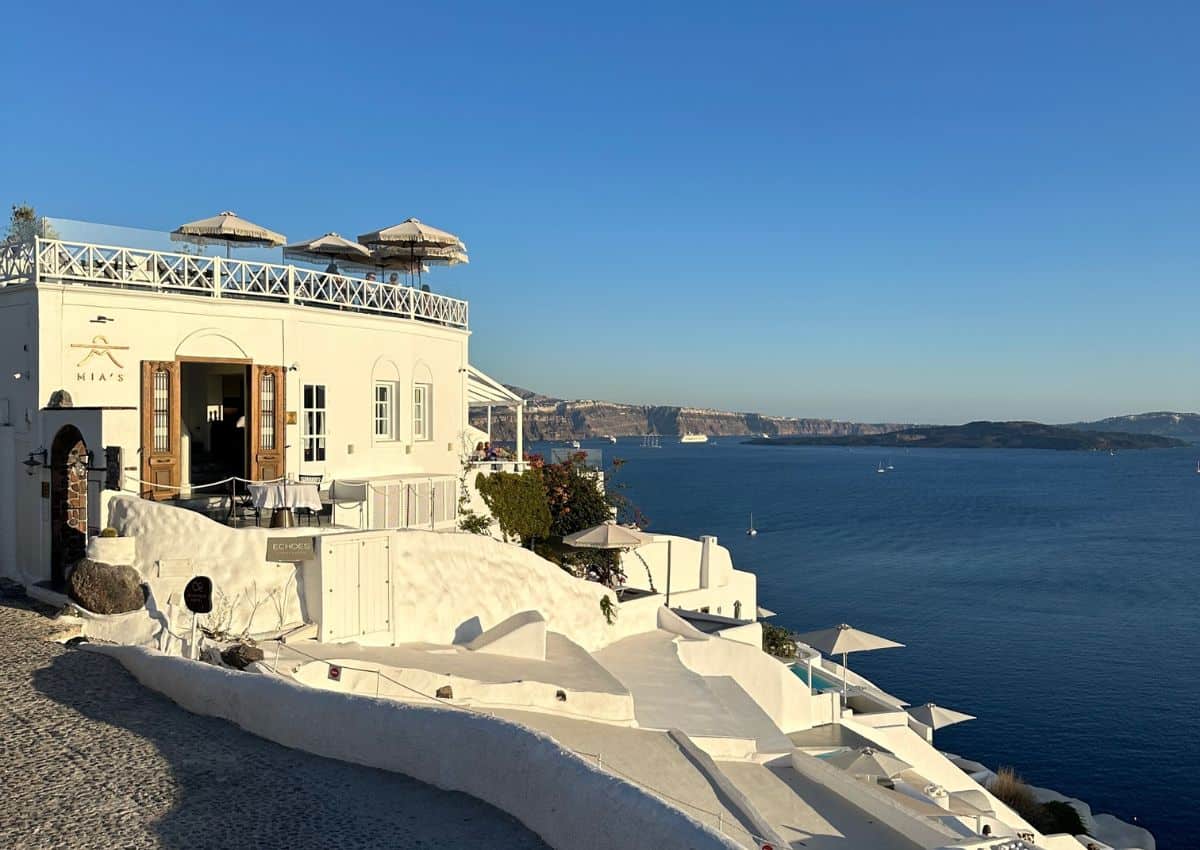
(282, 496)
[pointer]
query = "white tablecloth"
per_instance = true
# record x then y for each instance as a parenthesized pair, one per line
(289, 494)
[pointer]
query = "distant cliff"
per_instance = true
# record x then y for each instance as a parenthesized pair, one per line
(991, 435)
(1184, 426)
(555, 419)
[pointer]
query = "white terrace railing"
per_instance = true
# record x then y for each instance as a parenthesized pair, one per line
(59, 261)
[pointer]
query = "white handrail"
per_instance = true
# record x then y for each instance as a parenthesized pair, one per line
(219, 277)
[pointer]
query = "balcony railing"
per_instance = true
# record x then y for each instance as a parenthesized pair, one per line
(59, 261)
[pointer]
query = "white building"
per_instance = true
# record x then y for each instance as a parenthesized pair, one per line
(160, 373)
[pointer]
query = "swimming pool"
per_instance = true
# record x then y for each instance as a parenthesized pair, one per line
(821, 681)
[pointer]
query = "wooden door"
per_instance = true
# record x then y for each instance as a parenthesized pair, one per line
(268, 423)
(161, 460)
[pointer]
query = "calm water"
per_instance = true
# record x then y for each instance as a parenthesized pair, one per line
(1053, 594)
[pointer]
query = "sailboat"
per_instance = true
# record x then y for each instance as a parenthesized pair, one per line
(889, 465)
(881, 470)
(1198, 467)
(752, 531)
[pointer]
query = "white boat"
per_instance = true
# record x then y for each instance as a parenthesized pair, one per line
(611, 439)
(889, 465)
(752, 531)
(651, 441)
(881, 470)
(574, 444)
(694, 438)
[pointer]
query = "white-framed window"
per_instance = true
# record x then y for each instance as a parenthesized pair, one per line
(385, 410)
(314, 422)
(422, 411)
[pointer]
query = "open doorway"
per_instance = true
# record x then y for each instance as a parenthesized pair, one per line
(213, 405)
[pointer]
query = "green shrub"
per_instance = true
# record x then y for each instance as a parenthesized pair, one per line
(1053, 816)
(1060, 816)
(608, 609)
(518, 503)
(778, 641)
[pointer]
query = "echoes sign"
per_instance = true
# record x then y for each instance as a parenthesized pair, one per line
(292, 549)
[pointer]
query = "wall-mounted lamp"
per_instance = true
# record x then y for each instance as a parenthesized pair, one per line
(36, 460)
(102, 320)
(19, 376)
(294, 367)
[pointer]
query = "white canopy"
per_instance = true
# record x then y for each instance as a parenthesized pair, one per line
(936, 717)
(868, 761)
(608, 535)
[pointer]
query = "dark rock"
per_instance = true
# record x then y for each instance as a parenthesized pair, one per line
(106, 588)
(241, 655)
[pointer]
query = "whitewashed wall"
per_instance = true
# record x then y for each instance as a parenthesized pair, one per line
(345, 351)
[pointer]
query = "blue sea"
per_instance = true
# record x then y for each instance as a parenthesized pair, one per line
(1055, 595)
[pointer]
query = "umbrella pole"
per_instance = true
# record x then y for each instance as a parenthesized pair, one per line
(843, 678)
(668, 575)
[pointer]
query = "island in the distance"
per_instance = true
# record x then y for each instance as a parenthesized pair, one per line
(988, 435)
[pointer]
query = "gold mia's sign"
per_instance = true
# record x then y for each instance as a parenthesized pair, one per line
(97, 364)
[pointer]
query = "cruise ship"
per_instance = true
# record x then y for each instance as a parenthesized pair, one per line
(694, 438)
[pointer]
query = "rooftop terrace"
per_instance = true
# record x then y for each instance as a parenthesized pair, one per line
(125, 265)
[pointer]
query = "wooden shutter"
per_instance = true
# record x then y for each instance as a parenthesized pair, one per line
(268, 423)
(161, 461)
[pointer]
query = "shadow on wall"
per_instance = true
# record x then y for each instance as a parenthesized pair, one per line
(189, 779)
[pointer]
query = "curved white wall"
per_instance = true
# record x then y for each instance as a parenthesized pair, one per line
(449, 588)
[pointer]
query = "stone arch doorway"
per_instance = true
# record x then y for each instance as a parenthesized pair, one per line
(68, 502)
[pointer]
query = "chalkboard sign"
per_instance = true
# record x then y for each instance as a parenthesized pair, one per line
(197, 596)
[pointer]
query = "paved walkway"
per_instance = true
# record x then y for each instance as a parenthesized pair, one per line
(91, 759)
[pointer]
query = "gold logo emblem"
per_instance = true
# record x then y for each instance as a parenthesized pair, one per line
(100, 347)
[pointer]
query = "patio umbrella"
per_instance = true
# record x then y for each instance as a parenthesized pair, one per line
(609, 535)
(936, 717)
(416, 242)
(842, 640)
(869, 762)
(764, 613)
(331, 247)
(229, 228)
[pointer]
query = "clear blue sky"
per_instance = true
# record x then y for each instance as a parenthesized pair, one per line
(880, 211)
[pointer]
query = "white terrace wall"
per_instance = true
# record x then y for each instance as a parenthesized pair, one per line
(451, 587)
(249, 593)
(446, 587)
(702, 576)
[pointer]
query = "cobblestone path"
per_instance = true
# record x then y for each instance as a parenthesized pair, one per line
(91, 759)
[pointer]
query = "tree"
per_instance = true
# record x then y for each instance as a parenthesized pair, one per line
(24, 224)
(574, 495)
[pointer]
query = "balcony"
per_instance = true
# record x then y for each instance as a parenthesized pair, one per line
(59, 261)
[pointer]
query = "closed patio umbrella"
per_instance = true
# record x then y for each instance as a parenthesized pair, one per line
(229, 228)
(869, 762)
(936, 717)
(842, 640)
(331, 247)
